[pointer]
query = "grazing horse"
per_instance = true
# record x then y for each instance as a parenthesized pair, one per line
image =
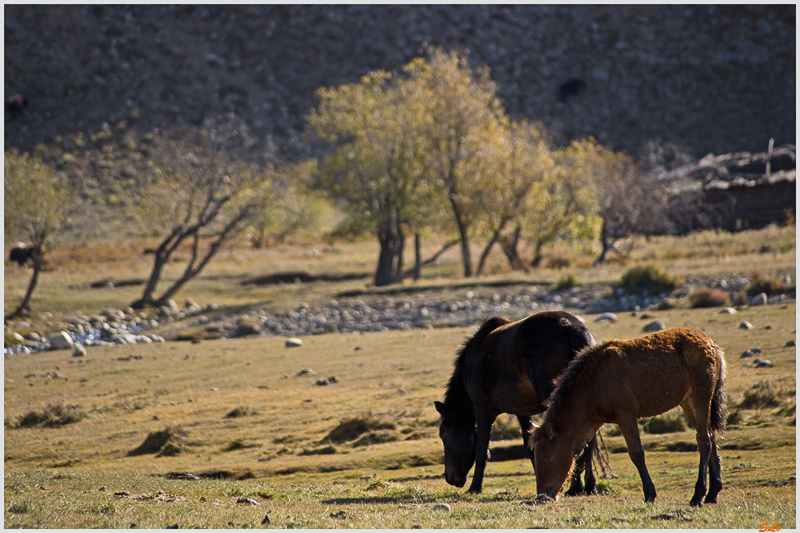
(507, 367)
(620, 381)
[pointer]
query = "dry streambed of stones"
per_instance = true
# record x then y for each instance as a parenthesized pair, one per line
(372, 310)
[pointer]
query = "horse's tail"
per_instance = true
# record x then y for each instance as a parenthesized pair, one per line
(718, 401)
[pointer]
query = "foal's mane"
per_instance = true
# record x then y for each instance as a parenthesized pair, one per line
(567, 380)
(455, 395)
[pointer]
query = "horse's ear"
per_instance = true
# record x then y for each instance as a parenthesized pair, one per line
(549, 430)
(440, 407)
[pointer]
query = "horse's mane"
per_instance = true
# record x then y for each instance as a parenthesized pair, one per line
(456, 393)
(567, 380)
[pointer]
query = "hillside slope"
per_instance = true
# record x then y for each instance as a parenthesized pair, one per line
(707, 78)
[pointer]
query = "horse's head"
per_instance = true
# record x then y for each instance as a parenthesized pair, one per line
(553, 460)
(458, 437)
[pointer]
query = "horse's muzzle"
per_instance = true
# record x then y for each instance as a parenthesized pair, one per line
(456, 481)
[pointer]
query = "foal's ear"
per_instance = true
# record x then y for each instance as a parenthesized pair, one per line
(439, 407)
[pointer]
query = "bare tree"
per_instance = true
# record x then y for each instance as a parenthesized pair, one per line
(202, 195)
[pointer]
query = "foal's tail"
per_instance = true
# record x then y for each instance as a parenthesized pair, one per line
(719, 406)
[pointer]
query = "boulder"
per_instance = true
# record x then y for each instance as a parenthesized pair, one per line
(606, 317)
(61, 341)
(759, 299)
(655, 325)
(293, 342)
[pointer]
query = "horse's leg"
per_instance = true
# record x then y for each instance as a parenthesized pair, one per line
(588, 451)
(526, 425)
(484, 420)
(630, 430)
(715, 473)
(701, 407)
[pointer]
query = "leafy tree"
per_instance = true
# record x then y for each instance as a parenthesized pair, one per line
(462, 120)
(374, 168)
(626, 200)
(201, 196)
(296, 208)
(36, 209)
(524, 162)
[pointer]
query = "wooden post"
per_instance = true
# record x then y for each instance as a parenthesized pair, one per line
(769, 155)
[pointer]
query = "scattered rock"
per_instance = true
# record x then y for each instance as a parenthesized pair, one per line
(328, 381)
(756, 351)
(247, 501)
(759, 299)
(293, 342)
(61, 341)
(791, 343)
(79, 351)
(442, 507)
(606, 317)
(655, 325)
(745, 325)
(761, 363)
(727, 311)
(747, 353)
(341, 515)
(305, 372)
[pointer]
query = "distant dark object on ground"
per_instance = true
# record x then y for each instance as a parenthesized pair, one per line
(301, 277)
(149, 251)
(16, 104)
(571, 87)
(21, 254)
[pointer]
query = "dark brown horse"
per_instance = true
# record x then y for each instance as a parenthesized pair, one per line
(622, 380)
(507, 367)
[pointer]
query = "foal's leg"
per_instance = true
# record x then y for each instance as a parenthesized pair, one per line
(484, 420)
(715, 474)
(701, 416)
(630, 430)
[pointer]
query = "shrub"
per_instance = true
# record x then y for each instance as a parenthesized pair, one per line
(652, 278)
(762, 283)
(157, 441)
(52, 416)
(504, 428)
(664, 424)
(567, 281)
(708, 297)
(352, 428)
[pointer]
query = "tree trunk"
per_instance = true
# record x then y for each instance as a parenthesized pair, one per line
(24, 308)
(466, 257)
(607, 243)
(510, 247)
(147, 300)
(486, 250)
(417, 256)
(390, 243)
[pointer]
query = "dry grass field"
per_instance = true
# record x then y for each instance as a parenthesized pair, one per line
(241, 433)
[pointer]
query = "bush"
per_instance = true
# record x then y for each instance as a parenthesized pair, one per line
(652, 278)
(708, 297)
(567, 281)
(662, 424)
(352, 428)
(505, 428)
(52, 416)
(762, 283)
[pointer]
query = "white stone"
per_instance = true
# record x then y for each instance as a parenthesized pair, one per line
(606, 317)
(759, 299)
(61, 341)
(293, 342)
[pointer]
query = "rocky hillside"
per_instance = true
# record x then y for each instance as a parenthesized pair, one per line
(707, 78)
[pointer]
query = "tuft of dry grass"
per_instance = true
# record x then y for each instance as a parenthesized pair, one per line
(708, 297)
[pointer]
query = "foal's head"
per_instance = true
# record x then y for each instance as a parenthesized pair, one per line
(458, 436)
(553, 460)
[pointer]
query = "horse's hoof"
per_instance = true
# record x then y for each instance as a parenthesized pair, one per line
(696, 503)
(474, 490)
(650, 499)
